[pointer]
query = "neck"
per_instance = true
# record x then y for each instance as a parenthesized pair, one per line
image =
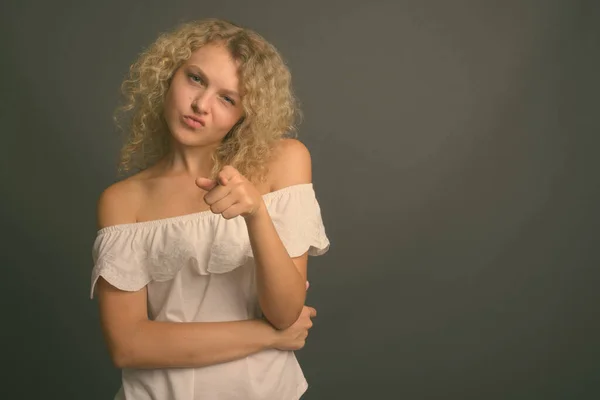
(193, 162)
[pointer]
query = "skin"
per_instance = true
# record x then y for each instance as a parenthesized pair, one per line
(206, 88)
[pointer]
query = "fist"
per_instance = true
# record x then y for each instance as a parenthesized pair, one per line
(231, 194)
(294, 337)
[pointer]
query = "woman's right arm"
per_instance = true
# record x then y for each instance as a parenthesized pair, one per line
(134, 341)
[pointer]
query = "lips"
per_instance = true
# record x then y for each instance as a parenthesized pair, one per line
(193, 122)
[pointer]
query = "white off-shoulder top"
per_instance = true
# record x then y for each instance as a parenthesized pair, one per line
(199, 267)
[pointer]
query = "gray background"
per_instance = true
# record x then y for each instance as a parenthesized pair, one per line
(455, 158)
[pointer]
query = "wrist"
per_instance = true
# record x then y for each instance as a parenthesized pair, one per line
(269, 335)
(259, 212)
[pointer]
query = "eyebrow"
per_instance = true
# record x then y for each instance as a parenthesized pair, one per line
(229, 92)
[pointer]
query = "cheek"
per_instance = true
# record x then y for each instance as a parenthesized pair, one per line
(170, 100)
(226, 118)
(179, 94)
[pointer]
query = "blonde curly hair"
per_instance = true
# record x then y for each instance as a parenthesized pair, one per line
(270, 108)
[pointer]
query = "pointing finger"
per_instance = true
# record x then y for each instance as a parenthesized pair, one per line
(227, 174)
(205, 183)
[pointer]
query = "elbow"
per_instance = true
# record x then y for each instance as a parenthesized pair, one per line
(282, 316)
(281, 325)
(124, 347)
(119, 362)
(122, 350)
(283, 322)
(121, 356)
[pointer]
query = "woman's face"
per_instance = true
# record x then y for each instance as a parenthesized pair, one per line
(203, 101)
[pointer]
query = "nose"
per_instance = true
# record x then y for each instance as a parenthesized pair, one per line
(200, 103)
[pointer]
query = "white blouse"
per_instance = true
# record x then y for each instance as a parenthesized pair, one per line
(199, 268)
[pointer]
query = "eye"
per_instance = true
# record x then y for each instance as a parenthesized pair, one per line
(229, 100)
(196, 78)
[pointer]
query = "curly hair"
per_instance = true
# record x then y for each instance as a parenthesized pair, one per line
(270, 108)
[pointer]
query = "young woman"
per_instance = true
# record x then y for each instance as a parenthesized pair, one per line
(200, 259)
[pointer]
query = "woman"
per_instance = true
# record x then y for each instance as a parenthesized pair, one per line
(200, 258)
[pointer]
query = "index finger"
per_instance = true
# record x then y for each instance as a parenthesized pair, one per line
(226, 174)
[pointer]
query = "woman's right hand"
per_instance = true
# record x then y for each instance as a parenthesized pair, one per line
(294, 337)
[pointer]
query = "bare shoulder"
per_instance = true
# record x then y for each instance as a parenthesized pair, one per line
(119, 203)
(290, 164)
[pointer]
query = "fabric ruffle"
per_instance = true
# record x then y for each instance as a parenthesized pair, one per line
(130, 256)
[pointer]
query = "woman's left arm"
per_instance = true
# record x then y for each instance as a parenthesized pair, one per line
(281, 280)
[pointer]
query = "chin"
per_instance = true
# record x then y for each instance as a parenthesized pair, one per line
(192, 139)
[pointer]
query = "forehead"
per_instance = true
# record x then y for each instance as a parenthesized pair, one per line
(214, 59)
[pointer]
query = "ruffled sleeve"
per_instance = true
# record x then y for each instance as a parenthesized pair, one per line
(130, 256)
(117, 259)
(296, 214)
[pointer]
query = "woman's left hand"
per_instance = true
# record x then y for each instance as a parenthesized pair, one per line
(231, 194)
